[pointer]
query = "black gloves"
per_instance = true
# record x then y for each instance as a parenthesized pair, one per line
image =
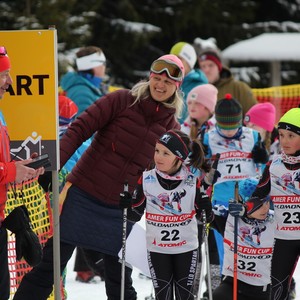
(125, 200)
(259, 153)
(45, 181)
(203, 202)
(211, 177)
(236, 209)
(27, 242)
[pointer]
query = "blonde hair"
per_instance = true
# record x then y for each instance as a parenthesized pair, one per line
(141, 91)
(268, 140)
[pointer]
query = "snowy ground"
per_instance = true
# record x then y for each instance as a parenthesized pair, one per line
(96, 291)
(80, 291)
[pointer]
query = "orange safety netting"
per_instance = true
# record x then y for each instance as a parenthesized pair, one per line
(282, 97)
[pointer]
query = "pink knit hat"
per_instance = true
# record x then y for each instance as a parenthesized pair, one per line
(262, 115)
(175, 60)
(206, 94)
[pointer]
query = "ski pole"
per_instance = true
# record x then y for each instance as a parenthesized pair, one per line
(205, 238)
(202, 272)
(124, 234)
(236, 220)
(205, 230)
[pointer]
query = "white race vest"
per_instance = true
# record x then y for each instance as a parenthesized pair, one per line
(285, 195)
(171, 225)
(235, 162)
(255, 248)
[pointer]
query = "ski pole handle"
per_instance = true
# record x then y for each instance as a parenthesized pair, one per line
(216, 161)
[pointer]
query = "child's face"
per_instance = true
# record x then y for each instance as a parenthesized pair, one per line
(229, 133)
(289, 141)
(261, 131)
(262, 212)
(198, 111)
(165, 160)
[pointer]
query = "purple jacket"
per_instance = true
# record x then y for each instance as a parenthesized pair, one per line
(123, 144)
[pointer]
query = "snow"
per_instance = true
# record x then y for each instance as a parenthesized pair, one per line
(266, 47)
(79, 291)
(143, 286)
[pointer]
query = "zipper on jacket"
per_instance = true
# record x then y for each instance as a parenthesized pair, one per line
(113, 147)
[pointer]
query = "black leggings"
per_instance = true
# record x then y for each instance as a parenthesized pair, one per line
(171, 272)
(4, 273)
(245, 291)
(284, 261)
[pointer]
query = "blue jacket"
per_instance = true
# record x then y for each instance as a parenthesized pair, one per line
(194, 78)
(80, 90)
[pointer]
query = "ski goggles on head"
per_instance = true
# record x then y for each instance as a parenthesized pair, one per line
(3, 51)
(172, 70)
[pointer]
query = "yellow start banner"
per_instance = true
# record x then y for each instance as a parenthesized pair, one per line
(30, 105)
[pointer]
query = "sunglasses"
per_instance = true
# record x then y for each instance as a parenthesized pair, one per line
(3, 51)
(172, 70)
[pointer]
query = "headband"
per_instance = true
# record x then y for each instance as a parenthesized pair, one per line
(91, 61)
(175, 144)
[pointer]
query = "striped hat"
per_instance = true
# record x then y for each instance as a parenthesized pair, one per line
(228, 113)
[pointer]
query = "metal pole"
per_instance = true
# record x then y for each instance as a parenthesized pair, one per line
(124, 246)
(209, 287)
(56, 235)
(235, 244)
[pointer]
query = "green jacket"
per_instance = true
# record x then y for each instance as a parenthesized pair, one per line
(238, 89)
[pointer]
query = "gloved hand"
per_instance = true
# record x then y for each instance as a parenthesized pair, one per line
(220, 210)
(45, 181)
(203, 202)
(27, 242)
(259, 153)
(212, 176)
(236, 209)
(125, 200)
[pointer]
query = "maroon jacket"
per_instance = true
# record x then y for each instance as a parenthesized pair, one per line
(123, 144)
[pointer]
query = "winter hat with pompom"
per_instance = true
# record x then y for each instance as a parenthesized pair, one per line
(228, 113)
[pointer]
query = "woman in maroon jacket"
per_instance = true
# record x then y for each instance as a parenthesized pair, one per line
(126, 125)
